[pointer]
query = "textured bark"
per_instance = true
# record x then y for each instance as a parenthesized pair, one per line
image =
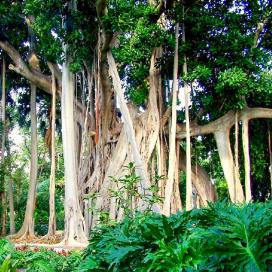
(224, 122)
(36, 77)
(27, 229)
(74, 231)
(177, 205)
(220, 128)
(236, 152)
(201, 181)
(226, 159)
(52, 213)
(245, 139)
(140, 166)
(172, 135)
(152, 123)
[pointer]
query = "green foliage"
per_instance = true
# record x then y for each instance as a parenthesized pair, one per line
(139, 33)
(40, 260)
(201, 72)
(236, 238)
(127, 190)
(221, 237)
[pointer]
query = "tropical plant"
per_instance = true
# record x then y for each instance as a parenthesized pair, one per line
(40, 260)
(222, 237)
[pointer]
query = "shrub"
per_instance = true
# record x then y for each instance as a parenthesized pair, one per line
(221, 237)
(35, 260)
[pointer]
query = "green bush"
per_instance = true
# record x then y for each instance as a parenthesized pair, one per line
(222, 237)
(41, 260)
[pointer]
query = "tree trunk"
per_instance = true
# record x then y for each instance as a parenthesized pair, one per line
(11, 197)
(189, 191)
(236, 152)
(11, 208)
(246, 159)
(226, 159)
(3, 140)
(74, 231)
(176, 195)
(172, 135)
(52, 213)
(201, 181)
(27, 229)
(140, 166)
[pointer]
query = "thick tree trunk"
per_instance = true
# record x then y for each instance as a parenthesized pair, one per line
(27, 229)
(220, 128)
(52, 214)
(172, 135)
(74, 232)
(140, 166)
(245, 139)
(226, 159)
(201, 181)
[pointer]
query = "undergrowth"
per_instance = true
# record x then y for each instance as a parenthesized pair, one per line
(221, 237)
(41, 260)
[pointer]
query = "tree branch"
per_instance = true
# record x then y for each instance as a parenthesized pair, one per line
(224, 122)
(20, 67)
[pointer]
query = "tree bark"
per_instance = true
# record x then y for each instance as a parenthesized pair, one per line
(236, 152)
(140, 167)
(52, 214)
(220, 128)
(176, 195)
(11, 208)
(224, 122)
(201, 181)
(245, 139)
(27, 229)
(34, 76)
(189, 190)
(172, 135)
(74, 231)
(226, 159)
(11, 197)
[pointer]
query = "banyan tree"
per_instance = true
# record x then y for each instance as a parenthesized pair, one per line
(120, 69)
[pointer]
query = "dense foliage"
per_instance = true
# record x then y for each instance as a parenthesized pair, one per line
(222, 237)
(36, 259)
(227, 48)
